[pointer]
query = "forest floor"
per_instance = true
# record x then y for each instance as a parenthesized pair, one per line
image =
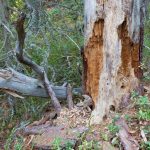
(127, 128)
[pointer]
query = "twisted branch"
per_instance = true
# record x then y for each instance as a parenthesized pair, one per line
(27, 61)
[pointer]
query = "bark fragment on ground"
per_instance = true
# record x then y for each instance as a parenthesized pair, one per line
(60, 133)
(128, 142)
(108, 146)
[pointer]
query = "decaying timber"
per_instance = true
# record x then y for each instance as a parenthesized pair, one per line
(112, 52)
(11, 80)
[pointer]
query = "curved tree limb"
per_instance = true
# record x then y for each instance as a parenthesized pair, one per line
(27, 61)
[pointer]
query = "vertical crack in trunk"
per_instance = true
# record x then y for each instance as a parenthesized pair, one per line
(93, 60)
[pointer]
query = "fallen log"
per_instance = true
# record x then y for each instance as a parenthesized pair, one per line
(14, 81)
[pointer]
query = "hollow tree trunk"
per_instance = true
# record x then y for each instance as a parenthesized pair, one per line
(112, 52)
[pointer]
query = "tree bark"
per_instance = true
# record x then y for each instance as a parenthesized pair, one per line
(112, 52)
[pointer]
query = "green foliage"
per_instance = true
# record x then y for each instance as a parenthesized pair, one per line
(143, 101)
(128, 117)
(146, 50)
(68, 145)
(144, 114)
(134, 95)
(23, 111)
(143, 108)
(104, 136)
(88, 145)
(10, 139)
(113, 128)
(142, 105)
(146, 145)
(115, 141)
(57, 143)
(18, 144)
(56, 46)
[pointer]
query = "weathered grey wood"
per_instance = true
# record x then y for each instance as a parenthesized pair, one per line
(112, 51)
(27, 86)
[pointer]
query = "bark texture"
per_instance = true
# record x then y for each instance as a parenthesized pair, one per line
(112, 53)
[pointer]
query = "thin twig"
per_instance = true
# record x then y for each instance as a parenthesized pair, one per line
(146, 47)
(7, 28)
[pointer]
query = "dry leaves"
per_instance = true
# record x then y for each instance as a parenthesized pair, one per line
(73, 118)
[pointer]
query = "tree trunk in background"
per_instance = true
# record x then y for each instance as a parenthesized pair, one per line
(112, 52)
(4, 17)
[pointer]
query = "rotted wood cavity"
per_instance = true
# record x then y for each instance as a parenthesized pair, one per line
(93, 60)
(130, 55)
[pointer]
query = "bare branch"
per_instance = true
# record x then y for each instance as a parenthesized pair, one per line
(69, 96)
(27, 61)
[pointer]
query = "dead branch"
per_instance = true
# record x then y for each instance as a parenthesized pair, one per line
(27, 61)
(11, 80)
(69, 96)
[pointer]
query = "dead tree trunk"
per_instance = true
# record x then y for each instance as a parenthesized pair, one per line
(112, 52)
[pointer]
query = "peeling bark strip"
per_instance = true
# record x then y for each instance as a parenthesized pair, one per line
(112, 51)
(27, 61)
(128, 142)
